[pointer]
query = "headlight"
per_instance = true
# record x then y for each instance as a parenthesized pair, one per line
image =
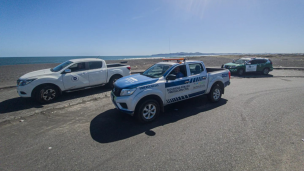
(24, 82)
(127, 92)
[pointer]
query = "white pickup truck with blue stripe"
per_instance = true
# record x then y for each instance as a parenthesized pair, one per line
(145, 95)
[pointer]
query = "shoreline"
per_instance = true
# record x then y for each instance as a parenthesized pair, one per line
(10, 73)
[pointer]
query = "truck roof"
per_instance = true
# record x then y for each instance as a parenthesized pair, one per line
(251, 58)
(172, 63)
(86, 60)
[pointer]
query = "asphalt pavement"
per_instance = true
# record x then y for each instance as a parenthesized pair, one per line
(258, 125)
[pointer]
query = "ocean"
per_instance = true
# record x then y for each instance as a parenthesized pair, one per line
(60, 59)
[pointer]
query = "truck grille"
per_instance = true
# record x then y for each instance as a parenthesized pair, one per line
(116, 91)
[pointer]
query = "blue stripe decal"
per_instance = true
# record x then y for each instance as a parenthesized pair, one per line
(197, 93)
(176, 99)
(176, 83)
(225, 75)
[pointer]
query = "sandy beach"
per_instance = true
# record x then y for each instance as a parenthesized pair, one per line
(10, 73)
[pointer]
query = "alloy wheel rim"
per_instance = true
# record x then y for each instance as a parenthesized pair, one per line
(149, 111)
(265, 71)
(49, 94)
(216, 94)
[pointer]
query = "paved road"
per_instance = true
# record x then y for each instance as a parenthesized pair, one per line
(258, 125)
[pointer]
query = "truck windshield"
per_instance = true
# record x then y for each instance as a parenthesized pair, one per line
(240, 61)
(61, 66)
(157, 70)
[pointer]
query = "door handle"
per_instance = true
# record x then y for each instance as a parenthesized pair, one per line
(186, 81)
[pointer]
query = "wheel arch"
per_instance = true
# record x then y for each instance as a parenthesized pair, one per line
(221, 84)
(114, 76)
(151, 96)
(45, 84)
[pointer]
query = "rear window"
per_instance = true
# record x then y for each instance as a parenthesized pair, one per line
(95, 65)
(196, 68)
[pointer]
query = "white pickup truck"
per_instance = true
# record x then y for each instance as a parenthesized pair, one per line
(145, 95)
(45, 85)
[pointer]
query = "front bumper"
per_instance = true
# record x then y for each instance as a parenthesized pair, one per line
(24, 91)
(125, 99)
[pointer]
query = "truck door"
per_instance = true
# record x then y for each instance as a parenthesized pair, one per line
(77, 78)
(251, 66)
(261, 63)
(198, 81)
(178, 89)
(97, 73)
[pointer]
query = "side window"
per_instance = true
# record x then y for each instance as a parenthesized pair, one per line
(95, 65)
(78, 67)
(196, 68)
(253, 62)
(179, 71)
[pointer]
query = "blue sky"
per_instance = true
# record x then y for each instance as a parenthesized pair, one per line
(145, 27)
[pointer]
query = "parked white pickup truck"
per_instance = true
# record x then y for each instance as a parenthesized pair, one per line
(45, 85)
(145, 95)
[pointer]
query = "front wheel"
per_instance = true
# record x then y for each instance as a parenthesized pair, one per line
(240, 72)
(148, 110)
(46, 94)
(215, 94)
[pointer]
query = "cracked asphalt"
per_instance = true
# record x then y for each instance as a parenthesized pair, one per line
(258, 125)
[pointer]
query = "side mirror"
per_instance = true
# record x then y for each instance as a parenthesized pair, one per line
(248, 63)
(171, 77)
(67, 71)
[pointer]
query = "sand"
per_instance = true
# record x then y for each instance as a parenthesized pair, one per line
(10, 73)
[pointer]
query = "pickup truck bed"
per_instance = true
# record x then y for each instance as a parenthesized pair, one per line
(115, 65)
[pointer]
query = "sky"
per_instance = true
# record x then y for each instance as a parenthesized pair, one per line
(145, 27)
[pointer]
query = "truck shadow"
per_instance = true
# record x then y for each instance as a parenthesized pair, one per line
(111, 125)
(252, 75)
(18, 103)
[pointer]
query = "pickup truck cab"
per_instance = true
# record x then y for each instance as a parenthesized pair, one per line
(145, 95)
(245, 65)
(76, 74)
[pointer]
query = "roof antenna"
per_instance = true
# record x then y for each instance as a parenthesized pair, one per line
(170, 46)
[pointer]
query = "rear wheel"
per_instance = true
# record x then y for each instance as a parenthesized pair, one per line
(265, 71)
(113, 80)
(148, 110)
(215, 94)
(46, 94)
(240, 72)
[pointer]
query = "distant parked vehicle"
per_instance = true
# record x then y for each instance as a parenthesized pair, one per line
(244, 65)
(145, 95)
(76, 74)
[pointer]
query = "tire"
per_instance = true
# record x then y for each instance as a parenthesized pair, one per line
(215, 94)
(265, 71)
(46, 94)
(148, 111)
(113, 80)
(240, 72)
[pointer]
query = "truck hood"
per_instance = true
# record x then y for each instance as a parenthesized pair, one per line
(36, 74)
(133, 81)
